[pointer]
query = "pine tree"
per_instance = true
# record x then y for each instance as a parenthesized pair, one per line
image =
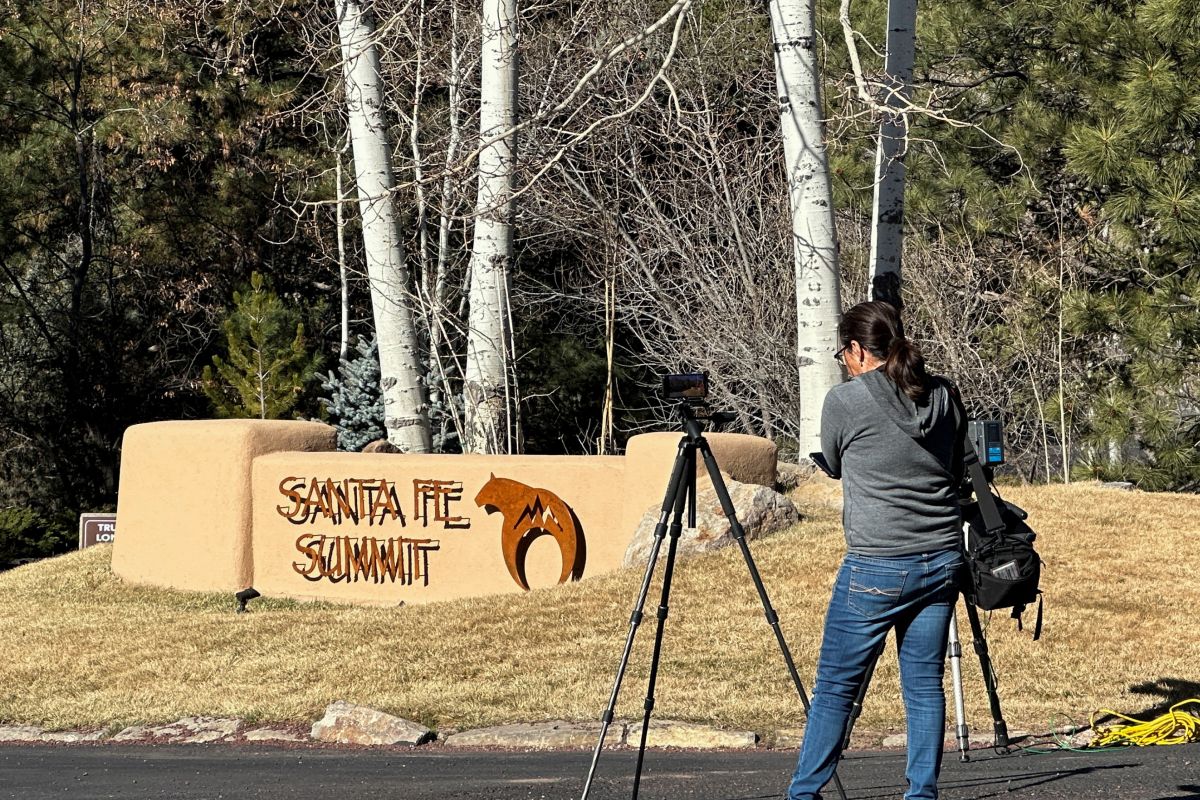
(1143, 422)
(354, 400)
(1136, 149)
(1135, 154)
(269, 364)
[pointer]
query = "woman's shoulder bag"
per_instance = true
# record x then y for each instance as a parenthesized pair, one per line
(1003, 569)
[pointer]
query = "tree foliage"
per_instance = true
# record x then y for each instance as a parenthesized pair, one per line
(268, 363)
(353, 399)
(26, 533)
(140, 148)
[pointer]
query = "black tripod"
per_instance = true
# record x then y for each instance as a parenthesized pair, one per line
(681, 493)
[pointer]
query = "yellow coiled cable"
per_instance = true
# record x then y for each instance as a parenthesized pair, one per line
(1174, 727)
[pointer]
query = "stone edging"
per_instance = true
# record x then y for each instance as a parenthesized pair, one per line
(345, 723)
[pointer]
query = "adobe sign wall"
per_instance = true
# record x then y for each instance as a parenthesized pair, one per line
(225, 504)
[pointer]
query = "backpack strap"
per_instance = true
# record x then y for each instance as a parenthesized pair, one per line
(1037, 625)
(979, 483)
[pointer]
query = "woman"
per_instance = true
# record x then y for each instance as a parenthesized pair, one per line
(889, 434)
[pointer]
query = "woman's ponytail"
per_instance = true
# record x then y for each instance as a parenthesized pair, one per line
(905, 367)
(876, 326)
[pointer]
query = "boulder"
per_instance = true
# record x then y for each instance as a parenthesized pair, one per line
(381, 446)
(760, 511)
(821, 491)
(788, 476)
(346, 723)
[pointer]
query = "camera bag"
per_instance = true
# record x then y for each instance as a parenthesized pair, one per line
(1004, 567)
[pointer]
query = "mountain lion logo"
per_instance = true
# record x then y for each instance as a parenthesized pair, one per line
(528, 513)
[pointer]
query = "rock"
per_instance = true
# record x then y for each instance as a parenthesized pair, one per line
(1124, 486)
(975, 741)
(760, 511)
(71, 737)
(346, 723)
(187, 730)
(271, 735)
(381, 446)
(789, 476)
(131, 734)
(789, 738)
(198, 730)
(19, 733)
(538, 735)
(32, 733)
(1083, 739)
(820, 490)
(667, 733)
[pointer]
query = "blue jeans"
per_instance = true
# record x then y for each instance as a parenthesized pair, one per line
(913, 595)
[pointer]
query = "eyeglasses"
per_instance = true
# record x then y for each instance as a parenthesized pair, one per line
(839, 356)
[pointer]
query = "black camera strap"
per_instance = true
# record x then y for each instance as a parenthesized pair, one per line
(979, 482)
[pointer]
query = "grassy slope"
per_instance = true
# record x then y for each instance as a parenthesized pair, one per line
(83, 650)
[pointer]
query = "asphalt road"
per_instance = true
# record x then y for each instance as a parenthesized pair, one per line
(211, 772)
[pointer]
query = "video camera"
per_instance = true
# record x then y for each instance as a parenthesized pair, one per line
(689, 386)
(689, 390)
(987, 437)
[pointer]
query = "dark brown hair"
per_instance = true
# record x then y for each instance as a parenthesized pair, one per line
(876, 327)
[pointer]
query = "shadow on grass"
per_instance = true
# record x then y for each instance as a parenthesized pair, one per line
(1171, 690)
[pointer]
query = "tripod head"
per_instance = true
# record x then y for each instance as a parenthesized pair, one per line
(697, 412)
(689, 390)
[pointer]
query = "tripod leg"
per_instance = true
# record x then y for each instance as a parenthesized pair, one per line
(954, 653)
(687, 491)
(856, 707)
(989, 675)
(670, 503)
(739, 534)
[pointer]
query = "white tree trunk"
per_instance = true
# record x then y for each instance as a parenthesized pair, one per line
(406, 417)
(887, 213)
(814, 239)
(343, 274)
(489, 412)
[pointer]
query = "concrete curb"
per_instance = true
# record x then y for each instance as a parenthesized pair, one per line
(547, 735)
(378, 729)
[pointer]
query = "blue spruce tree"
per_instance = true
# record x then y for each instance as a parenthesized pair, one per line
(354, 401)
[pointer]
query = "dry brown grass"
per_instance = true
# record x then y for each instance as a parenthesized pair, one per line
(83, 650)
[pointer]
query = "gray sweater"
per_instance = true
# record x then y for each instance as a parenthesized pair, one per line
(896, 462)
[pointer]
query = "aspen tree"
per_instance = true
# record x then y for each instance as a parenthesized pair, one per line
(814, 239)
(887, 211)
(489, 410)
(406, 418)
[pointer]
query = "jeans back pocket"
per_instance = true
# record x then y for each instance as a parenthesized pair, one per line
(875, 591)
